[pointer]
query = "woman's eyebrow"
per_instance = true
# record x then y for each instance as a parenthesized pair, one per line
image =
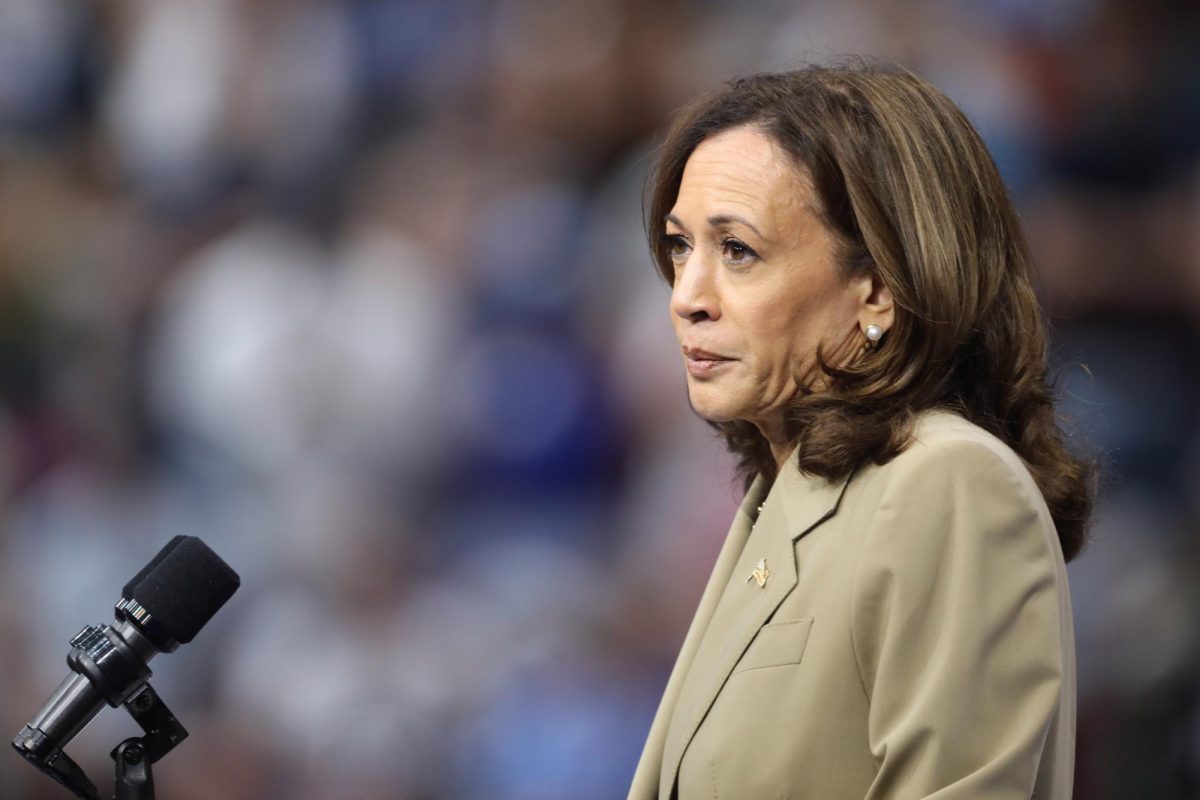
(725, 219)
(676, 221)
(718, 219)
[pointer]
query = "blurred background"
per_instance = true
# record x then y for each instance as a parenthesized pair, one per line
(358, 292)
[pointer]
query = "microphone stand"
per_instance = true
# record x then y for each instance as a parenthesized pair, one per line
(134, 780)
(133, 757)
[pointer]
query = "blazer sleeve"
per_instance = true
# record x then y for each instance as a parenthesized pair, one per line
(957, 626)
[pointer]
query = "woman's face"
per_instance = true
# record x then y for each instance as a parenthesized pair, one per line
(756, 285)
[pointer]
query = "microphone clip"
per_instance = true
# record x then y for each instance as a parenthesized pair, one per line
(113, 670)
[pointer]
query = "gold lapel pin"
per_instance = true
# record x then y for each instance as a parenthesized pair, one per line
(760, 573)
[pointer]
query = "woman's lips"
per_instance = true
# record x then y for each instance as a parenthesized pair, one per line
(702, 364)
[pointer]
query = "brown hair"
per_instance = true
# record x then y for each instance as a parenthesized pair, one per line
(907, 186)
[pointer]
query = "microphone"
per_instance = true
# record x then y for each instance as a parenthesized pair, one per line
(163, 606)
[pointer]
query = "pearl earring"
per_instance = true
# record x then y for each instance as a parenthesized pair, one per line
(874, 334)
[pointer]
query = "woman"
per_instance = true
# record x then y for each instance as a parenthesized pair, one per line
(889, 615)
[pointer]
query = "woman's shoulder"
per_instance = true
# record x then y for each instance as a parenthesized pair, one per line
(944, 434)
(955, 482)
(946, 445)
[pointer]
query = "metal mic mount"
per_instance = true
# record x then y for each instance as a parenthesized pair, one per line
(108, 666)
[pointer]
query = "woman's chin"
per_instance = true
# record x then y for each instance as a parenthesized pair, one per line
(712, 409)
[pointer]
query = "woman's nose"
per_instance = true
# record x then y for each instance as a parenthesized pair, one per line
(694, 295)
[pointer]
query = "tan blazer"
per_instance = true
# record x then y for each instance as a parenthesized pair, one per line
(912, 638)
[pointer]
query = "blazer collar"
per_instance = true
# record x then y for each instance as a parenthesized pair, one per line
(795, 505)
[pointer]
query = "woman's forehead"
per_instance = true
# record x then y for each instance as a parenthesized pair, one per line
(741, 172)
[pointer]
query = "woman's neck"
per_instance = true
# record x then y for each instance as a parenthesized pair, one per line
(775, 432)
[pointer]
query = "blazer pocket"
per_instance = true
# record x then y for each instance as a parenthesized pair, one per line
(776, 644)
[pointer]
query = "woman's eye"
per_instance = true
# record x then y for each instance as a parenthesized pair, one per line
(677, 246)
(736, 251)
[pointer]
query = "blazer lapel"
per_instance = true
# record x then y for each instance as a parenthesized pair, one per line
(646, 778)
(795, 505)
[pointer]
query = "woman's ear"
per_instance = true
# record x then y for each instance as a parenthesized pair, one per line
(877, 306)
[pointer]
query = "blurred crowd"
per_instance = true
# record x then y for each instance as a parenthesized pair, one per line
(357, 291)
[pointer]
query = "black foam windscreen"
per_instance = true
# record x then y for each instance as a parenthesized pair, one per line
(183, 586)
(154, 562)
